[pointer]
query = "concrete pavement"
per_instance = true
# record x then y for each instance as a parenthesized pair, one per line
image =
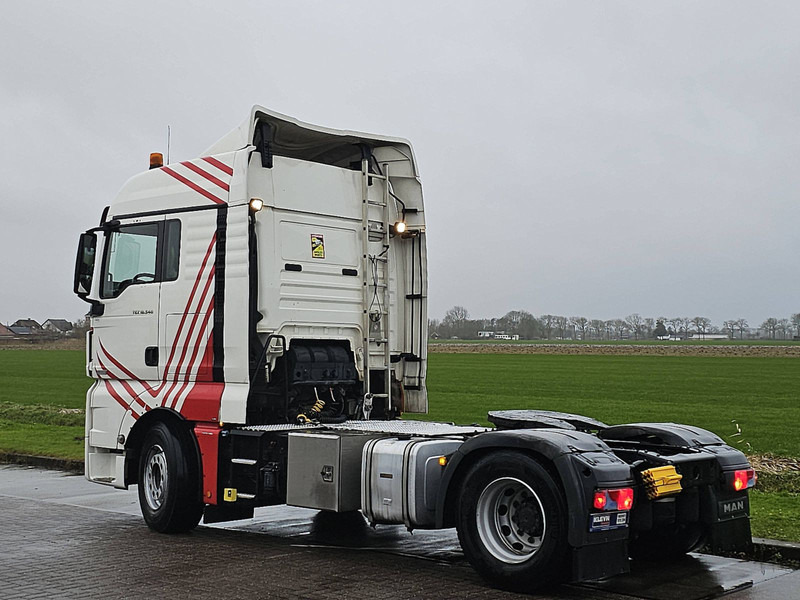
(64, 537)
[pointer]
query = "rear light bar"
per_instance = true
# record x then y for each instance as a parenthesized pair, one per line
(743, 479)
(616, 499)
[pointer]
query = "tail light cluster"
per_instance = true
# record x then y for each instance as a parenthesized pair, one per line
(617, 499)
(744, 479)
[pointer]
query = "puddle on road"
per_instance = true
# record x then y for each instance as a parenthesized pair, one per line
(694, 577)
(306, 527)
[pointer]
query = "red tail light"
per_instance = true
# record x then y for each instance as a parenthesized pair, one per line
(616, 499)
(623, 498)
(599, 500)
(744, 478)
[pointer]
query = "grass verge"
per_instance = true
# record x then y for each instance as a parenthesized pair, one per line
(775, 515)
(58, 441)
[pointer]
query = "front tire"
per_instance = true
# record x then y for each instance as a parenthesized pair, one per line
(512, 522)
(168, 484)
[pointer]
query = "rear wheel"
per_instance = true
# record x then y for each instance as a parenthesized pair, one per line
(168, 483)
(512, 522)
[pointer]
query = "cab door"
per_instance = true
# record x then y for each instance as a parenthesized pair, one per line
(125, 337)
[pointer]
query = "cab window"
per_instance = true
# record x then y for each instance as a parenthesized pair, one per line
(130, 258)
(140, 254)
(172, 249)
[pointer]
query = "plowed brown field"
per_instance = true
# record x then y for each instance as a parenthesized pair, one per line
(619, 349)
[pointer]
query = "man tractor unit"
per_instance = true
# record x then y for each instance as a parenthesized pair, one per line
(259, 326)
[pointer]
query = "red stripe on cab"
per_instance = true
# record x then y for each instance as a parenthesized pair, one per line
(207, 175)
(219, 164)
(192, 185)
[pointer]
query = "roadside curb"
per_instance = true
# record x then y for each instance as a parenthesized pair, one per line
(44, 462)
(775, 551)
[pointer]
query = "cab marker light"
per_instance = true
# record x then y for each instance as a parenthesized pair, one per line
(256, 204)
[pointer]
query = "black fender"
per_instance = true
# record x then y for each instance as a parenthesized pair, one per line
(176, 421)
(665, 434)
(580, 461)
(676, 435)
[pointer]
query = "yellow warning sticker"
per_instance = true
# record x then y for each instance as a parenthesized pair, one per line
(317, 246)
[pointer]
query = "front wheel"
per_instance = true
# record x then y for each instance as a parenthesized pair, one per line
(512, 522)
(168, 485)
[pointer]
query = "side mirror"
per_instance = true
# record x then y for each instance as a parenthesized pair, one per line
(84, 265)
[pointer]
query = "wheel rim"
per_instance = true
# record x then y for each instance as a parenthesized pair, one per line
(510, 519)
(155, 477)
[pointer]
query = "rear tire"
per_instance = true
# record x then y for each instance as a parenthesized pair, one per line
(512, 522)
(169, 494)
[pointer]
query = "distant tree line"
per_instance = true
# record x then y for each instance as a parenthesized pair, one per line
(457, 323)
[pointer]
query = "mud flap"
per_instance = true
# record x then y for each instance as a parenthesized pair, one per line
(732, 535)
(598, 561)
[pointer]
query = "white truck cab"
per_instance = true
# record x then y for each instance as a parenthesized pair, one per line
(280, 276)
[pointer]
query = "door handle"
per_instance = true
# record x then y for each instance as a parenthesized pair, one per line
(151, 356)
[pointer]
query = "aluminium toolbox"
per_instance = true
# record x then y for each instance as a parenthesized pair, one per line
(400, 479)
(324, 469)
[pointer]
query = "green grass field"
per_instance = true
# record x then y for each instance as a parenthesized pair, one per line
(52, 377)
(759, 395)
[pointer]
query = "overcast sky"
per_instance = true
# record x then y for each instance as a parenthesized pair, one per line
(578, 158)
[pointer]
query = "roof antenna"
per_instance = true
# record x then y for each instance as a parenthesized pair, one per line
(169, 132)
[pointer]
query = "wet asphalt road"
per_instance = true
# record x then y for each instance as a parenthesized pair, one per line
(63, 537)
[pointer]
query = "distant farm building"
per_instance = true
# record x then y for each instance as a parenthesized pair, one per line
(497, 335)
(26, 331)
(30, 324)
(59, 326)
